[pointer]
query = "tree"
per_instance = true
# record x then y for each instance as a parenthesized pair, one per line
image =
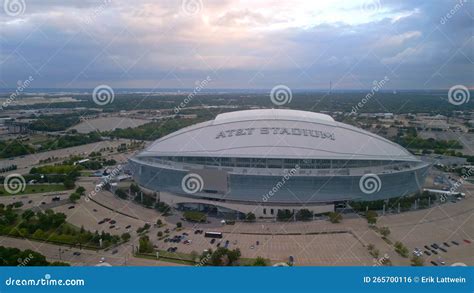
(134, 188)
(179, 225)
(80, 190)
(385, 231)
(372, 221)
(335, 217)
(250, 217)
(159, 234)
(27, 215)
(225, 257)
(74, 197)
(401, 249)
(417, 261)
(260, 262)
(371, 217)
(284, 215)
(159, 223)
(145, 245)
(121, 193)
(125, 236)
(304, 215)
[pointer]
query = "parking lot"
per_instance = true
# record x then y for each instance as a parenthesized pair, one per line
(445, 223)
(322, 249)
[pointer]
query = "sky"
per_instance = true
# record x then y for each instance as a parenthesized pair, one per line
(237, 44)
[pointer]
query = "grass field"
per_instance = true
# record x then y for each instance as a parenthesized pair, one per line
(35, 188)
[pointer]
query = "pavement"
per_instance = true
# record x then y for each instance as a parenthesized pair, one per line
(310, 243)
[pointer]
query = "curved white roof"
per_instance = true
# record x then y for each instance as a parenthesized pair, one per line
(277, 114)
(276, 133)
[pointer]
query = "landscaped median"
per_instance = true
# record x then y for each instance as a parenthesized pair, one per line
(220, 257)
(36, 188)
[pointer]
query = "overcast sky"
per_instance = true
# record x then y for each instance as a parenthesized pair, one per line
(237, 44)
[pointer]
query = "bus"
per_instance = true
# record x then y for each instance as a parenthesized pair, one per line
(213, 234)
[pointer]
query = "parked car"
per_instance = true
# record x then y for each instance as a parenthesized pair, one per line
(213, 240)
(442, 249)
(113, 222)
(427, 252)
(76, 253)
(434, 263)
(446, 244)
(454, 242)
(434, 251)
(71, 207)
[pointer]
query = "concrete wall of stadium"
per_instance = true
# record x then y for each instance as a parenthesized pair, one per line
(260, 211)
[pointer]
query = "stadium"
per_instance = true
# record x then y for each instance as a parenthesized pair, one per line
(261, 161)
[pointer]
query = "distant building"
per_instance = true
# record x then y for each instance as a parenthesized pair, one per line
(17, 127)
(432, 122)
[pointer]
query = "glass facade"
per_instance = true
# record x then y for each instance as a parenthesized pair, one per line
(278, 163)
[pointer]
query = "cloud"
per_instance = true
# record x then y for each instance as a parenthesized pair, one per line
(241, 44)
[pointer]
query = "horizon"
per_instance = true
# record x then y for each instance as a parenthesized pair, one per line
(238, 44)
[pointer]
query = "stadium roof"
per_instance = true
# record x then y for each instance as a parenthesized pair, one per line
(275, 133)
